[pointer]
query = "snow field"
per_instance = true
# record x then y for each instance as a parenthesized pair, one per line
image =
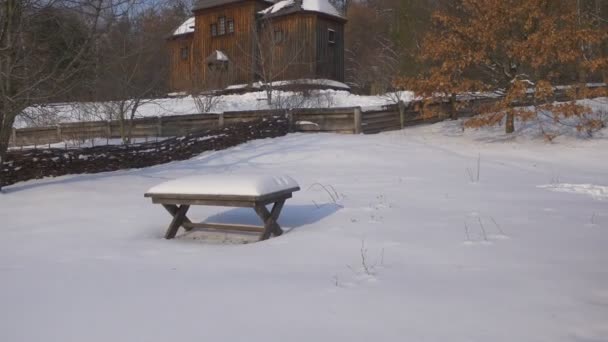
(389, 239)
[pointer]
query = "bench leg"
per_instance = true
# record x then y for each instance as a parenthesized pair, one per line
(270, 219)
(172, 209)
(178, 220)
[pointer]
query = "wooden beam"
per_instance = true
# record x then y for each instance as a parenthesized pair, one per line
(224, 226)
(402, 113)
(177, 201)
(271, 226)
(177, 221)
(172, 209)
(358, 116)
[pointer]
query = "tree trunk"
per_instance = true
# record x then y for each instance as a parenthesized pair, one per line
(7, 119)
(121, 121)
(3, 146)
(510, 122)
(131, 118)
(453, 107)
(269, 96)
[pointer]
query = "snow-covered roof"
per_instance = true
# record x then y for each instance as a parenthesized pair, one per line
(227, 185)
(291, 6)
(321, 83)
(186, 27)
(203, 4)
(217, 56)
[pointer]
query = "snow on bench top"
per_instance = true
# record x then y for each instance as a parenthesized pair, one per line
(226, 185)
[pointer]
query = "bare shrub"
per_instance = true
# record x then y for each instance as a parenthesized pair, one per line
(206, 102)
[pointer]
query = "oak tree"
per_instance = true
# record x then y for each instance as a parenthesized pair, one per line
(517, 48)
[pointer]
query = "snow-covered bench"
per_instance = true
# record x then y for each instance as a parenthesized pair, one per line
(255, 192)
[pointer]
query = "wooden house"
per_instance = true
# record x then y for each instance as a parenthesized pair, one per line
(231, 42)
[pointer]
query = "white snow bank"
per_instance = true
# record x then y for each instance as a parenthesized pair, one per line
(186, 27)
(229, 185)
(53, 114)
(598, 192)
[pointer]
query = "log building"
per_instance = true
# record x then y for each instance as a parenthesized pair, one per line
(230, 42)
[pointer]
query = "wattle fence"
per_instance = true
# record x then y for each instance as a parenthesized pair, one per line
(52, 162)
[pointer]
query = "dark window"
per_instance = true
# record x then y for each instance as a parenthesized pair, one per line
(221, 23)
(230, 26)
(184, 53)
(278, 36)
(331, 36)
(218, 66)
(213, 30)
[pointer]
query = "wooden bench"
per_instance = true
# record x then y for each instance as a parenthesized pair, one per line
(259, 191)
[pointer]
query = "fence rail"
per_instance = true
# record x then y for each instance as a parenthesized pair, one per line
(342, 120)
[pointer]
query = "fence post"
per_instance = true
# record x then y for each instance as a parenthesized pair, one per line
(159, 127)
(220, 120)
(108, 130)
(289, 114)
(358, 120)
(402, 113)
(59, 134)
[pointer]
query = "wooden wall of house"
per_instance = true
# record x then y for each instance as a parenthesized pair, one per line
(330, 56)
(180, 69)
(238, 46)
(294, 56)
(305, 51)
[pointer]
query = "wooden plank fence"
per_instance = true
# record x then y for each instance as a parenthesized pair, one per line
(341, 120)
(338, 120)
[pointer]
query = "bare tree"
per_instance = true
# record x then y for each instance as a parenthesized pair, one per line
(341, 5)
(372, 56)
(133, 66)
(273, 55)
(45, 49)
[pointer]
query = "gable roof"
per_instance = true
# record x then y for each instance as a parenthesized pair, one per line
(202, 4)
(285, 7)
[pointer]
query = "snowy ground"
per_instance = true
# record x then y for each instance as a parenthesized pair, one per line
(92, 111)
(518, 255)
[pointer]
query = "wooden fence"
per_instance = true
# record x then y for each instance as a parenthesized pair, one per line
(342, 120)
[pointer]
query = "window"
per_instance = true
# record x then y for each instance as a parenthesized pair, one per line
(184, 53)
(213, 30)
(331, 36)
(230, 26)
(221, 22)
(218, 66)
(278, 36)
